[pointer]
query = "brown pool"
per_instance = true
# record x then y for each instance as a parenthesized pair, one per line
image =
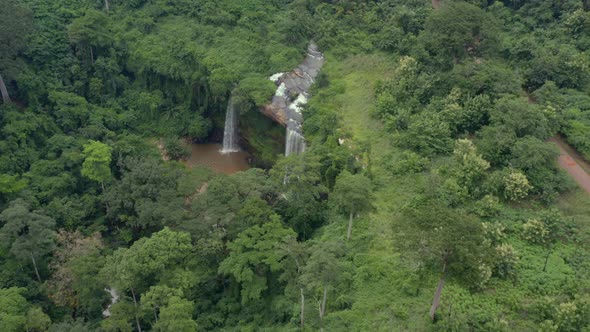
(209, 155)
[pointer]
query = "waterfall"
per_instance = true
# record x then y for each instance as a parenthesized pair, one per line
(295, 143)
(230, 130)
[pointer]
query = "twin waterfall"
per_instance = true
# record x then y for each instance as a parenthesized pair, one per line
(291, 95)
(230, 131)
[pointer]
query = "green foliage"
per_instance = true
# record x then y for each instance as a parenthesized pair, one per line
(11, 183)
(147, 258)
(97, 161)
(18, 315)
(459, 30)
(302, 206)
(13, 309)
(176, 316)
(15, 26)
(253, 254)
(419, 116)
(410, 162)
(145, 196)
(28, 235)
(516, 186)
(352, 193)
(253, 92)
(176, 149)
(448, 237)
(90, 30)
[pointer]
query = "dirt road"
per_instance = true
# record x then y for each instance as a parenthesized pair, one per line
(573, 164)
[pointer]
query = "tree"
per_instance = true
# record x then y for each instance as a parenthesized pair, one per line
(459, 29)
(176, 316)
(298, 176)
(523, 118)
(471, 166)
(427, 133)
(28, 235)
(16, 314)
(71, 111)
(148, 259)
(77, 262)
(122, 313)
(516, 186)
(146, 196)
(90, 31)
(15, 25)
(352, 194)
(255, 253)
(298, 253)
(536, 159)
(97, 162)
(545, 231)
(436, 235)
(11, 184)
(158, 297)
(323, 270)
(13, 308)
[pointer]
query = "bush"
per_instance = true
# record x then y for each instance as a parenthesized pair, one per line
(176, 149)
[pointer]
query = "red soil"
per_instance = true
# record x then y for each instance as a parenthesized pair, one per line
(573, 163)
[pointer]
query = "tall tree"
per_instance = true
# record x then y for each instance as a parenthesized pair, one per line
(298, 253)
(352, 194)
(299, 178)
(15, 25)
(324, 269)
(16, 314)
(97, 162)
(28, 235)
(458, 30)
(254, 254)
(545, 231)
(146, 260)
(176, 316)
(90, 32)
(436, 235)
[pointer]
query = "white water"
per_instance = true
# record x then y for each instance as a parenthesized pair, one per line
(230, 131)
(114, 299)
(295, 143)
(296, 83)
(275, 77)
(298, 103)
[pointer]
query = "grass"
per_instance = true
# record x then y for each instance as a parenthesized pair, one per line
(388, 295)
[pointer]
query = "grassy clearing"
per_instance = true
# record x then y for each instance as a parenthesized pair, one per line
(385, 288)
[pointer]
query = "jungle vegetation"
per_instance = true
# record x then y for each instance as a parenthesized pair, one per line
(428, 198)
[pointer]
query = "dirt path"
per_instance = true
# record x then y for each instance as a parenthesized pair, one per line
(573, 164)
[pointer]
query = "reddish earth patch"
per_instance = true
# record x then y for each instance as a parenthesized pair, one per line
(573, 164)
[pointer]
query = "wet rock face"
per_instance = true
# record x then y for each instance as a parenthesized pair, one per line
(293, 90)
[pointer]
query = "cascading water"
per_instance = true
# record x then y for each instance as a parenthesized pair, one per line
(230, 130)
(295, 143)
(288, 111)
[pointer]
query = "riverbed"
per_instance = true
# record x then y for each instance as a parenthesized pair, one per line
(210, 155)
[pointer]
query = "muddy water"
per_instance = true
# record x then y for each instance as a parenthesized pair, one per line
(209, 155)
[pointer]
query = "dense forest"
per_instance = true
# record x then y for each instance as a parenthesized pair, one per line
(428, 198)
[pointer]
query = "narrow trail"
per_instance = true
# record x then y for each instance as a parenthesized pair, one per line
(573, 164)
